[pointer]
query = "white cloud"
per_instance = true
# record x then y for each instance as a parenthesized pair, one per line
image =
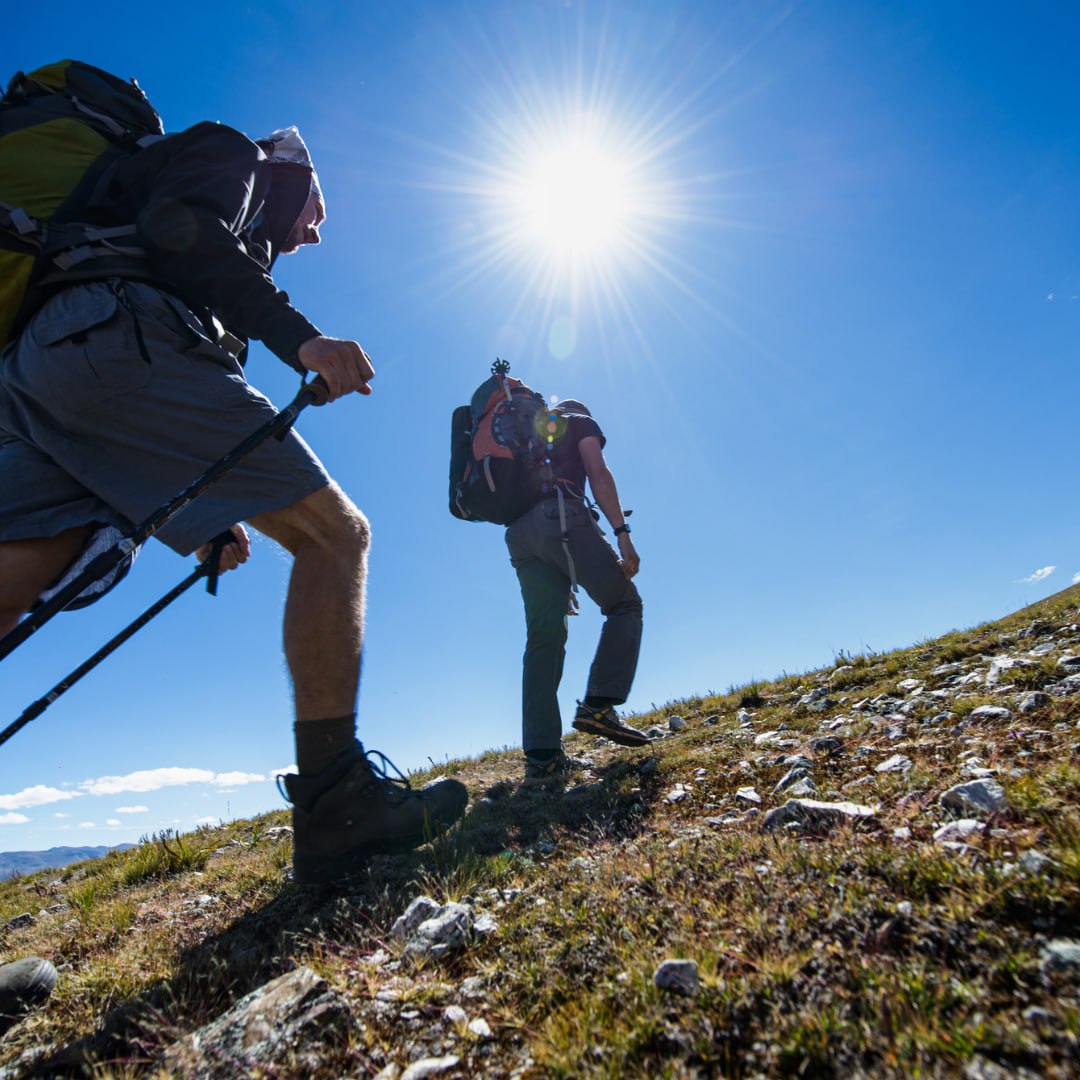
(112, 821)
(284, 769)
(61, 814)
(236, 779)
(13, 819)
(146, 780)
(39, 795)
(207, 821)
(133, 810)
(86, 825)
(1076, 578)
(1039, 575)
(173, 776)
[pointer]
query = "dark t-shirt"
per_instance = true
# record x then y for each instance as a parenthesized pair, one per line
(566, 461)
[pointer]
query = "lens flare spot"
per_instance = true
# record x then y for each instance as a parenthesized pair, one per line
(562, 338)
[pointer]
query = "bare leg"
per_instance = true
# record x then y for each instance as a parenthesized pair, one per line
(328, 538)
(29, 566)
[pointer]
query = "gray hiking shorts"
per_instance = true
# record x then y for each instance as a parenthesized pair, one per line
(112, 401)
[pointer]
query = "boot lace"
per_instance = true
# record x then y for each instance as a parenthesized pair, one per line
(397, 788)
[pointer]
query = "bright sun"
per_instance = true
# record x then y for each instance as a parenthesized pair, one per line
(575, 200)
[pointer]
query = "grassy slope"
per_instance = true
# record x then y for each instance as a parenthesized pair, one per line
(807, 964)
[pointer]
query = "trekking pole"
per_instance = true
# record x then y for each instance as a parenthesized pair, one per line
(208, 569)
(312, 393)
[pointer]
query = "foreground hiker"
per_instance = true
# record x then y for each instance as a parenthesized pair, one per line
(127, 382)
(555, 545)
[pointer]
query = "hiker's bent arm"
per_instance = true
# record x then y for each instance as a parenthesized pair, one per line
(604, 491)
(188, 228)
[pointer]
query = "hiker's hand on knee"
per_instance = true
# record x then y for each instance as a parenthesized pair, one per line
(344, 366)
(232, 554)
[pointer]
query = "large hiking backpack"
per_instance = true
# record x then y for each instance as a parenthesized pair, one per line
(61, 126)
(499, 457)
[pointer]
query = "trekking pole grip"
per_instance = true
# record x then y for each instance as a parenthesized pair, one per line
(316, 392)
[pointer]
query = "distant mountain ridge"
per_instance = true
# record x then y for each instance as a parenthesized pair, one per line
(13, 863)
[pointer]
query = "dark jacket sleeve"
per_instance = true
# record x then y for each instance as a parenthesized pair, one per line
(191, 226)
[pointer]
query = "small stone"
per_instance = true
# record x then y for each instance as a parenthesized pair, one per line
(480, 1028)
(20, 921)
(423, 907)
(802, 789)
(907, 685)
(826, 744)
(677, 794)
(455, 1014)
(420, 1070)
(1033, 702)
(905, 908)
(901, 832)
(676, 723)
(1061, 955)
(897, 763)
(1033, 862)
(814, 816)
(980, 798)
(958, 830)
(678, 976)
(989, 713)
(748, 794)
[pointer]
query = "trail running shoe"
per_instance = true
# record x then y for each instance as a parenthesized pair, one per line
(353, 809)
(605, 721)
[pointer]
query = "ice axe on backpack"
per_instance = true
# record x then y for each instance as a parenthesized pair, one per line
(311, 393)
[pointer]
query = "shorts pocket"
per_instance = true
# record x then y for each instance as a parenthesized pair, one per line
(88, 349)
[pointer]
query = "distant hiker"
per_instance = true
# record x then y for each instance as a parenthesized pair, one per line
(24, 985)
(520, 463)
(127, 382)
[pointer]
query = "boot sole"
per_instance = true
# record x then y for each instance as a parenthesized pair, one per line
(624, 736)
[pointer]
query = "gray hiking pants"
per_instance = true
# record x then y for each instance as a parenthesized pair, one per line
(538, 556)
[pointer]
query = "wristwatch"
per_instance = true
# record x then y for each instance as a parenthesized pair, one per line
(623, 528)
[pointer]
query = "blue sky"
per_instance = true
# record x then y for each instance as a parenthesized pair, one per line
(827, 316)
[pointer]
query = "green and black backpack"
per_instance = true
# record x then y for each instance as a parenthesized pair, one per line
(61, 126)
(500, 466)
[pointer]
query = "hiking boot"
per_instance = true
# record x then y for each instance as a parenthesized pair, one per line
(24, 984)
(605, 721)
(353, 809)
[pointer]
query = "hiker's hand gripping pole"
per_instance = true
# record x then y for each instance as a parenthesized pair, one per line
(311, 393)
(209, 568)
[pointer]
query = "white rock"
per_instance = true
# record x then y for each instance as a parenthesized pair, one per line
(897, 763)
(480, 1028)
(455, 1014)
(989, 712)
(748, 794)
(978, 797)
(420, 1070)
(958, 830)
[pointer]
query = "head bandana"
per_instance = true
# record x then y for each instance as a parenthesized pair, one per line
(286, 145)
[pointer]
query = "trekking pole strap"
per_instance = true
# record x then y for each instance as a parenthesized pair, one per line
(311, 393)
(566, 537)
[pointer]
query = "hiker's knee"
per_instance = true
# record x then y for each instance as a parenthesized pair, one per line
(326, 522)
(629, 605)
(546, 631)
